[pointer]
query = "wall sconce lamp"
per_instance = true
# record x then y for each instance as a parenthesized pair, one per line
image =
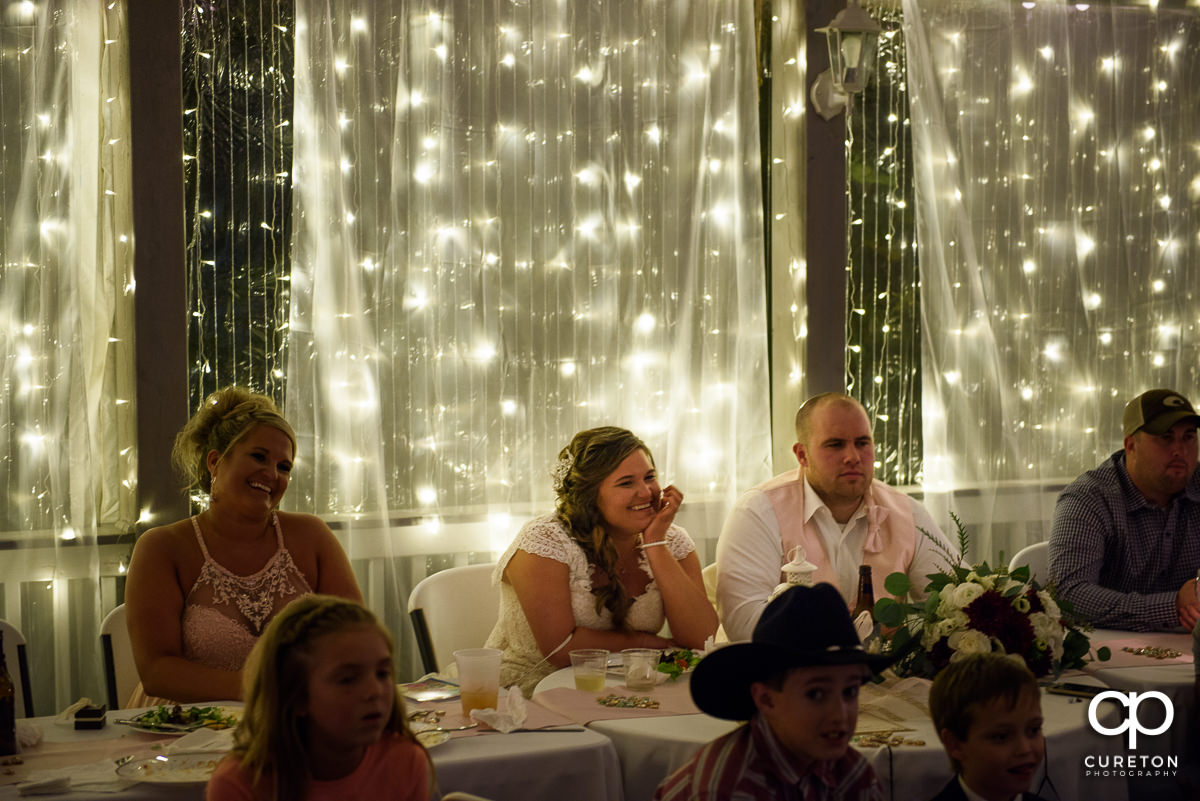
(853, 39)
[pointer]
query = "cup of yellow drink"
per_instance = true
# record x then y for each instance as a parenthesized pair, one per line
(589, 666)
(478, 677)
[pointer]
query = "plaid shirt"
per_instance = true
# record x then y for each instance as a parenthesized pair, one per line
(749, 764)
(1118, 558)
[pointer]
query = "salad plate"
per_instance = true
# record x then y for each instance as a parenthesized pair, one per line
(179, 720)
(677, 661)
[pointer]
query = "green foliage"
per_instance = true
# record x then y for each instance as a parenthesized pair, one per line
(889, 613)
(897, 584)
(1003, 611)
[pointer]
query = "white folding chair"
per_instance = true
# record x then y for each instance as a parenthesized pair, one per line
(1037, 556)
(452, 609)
(709, 574)
(17, 662)
(120, 671)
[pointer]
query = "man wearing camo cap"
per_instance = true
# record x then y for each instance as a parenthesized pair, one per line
(1125, 542)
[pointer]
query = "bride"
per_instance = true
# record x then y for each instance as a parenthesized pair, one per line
(604, 570)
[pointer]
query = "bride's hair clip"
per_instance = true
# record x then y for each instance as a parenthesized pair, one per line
(560, 471)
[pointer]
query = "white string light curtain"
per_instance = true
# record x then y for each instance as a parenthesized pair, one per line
(1058, 188)
(514, 220)
(67, 420)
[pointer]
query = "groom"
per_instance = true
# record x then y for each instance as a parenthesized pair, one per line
(832, 507)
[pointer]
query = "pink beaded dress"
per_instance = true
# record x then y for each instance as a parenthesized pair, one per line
(225, 613)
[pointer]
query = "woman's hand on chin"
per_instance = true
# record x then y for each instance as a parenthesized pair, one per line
(668, 505)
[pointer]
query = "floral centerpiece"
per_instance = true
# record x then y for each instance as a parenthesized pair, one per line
(978, 609)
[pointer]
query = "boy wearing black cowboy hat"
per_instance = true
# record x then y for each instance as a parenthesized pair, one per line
(797, 683)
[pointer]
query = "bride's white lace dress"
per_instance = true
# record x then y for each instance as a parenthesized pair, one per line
(547, 536)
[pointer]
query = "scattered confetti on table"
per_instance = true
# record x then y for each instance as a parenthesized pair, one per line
(1154, 653)
(884, 738)
(628, 701)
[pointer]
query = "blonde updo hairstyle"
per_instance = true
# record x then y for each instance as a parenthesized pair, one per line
(591, 457)
(223, 419)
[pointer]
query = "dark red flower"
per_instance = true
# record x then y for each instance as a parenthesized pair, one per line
(995, 616)
(940, 654)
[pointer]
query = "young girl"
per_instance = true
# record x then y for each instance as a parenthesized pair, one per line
(322, 718)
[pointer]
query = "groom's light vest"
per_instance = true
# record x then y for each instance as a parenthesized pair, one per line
(891, 536)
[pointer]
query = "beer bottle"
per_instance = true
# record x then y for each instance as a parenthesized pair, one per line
(8, 707)
(866, 594)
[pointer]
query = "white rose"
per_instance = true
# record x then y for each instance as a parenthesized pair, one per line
(945, 627)
(1051, 607)
(987, 582)
(965, 593)
(1048, 632)
(929, 637)
(954, 621)
(968, 641)
(1056, 646)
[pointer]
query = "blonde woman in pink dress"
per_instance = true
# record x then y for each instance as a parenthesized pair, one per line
(200, 591)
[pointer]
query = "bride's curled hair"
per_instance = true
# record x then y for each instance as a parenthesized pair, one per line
(582, 466)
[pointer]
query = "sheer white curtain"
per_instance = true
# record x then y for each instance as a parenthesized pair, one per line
(1058, 188)
(514, 220)
(67, 455)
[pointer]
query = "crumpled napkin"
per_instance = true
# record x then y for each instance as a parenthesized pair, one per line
(28, 735)
(513, 716)
(98, 777)
(202, 741)
(864, 624)
(68, 715)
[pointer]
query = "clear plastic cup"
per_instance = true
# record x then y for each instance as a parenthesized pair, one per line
(589, 666)
(641, 668)
(478, 677)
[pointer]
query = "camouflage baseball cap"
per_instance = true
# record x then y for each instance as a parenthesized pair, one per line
(1156, 411)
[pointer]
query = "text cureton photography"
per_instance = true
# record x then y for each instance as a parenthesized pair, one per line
(1125, 765)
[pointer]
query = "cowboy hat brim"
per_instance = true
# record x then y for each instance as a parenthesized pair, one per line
(720, 684)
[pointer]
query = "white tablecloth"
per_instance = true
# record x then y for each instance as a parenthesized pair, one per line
(650, 749)
(524, 766)
(554, 766)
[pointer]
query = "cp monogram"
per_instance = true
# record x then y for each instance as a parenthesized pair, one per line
(1130, 700)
